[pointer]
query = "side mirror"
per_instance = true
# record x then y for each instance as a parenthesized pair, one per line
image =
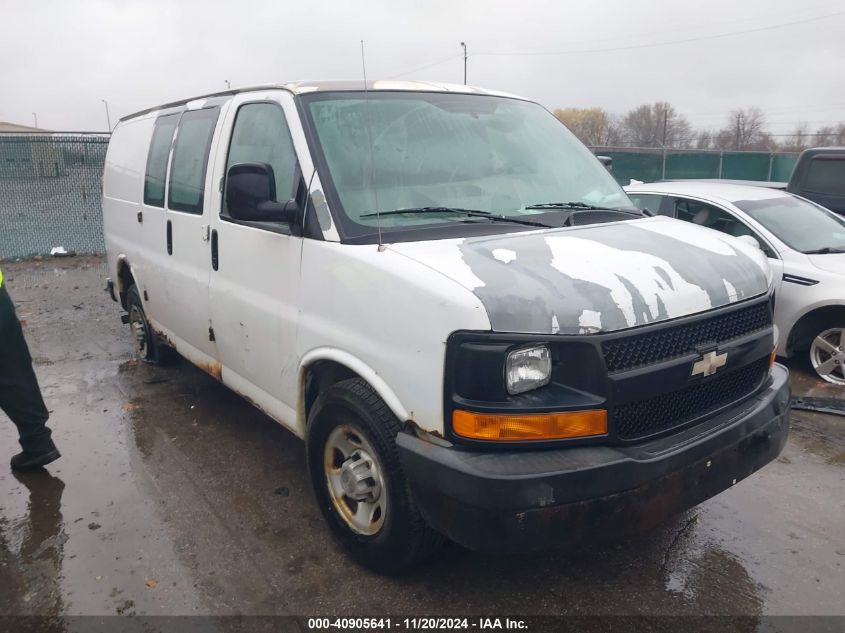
(251, 195)
(750, 240)
(607, 161)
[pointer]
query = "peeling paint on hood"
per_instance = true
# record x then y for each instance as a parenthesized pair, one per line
(597, 278)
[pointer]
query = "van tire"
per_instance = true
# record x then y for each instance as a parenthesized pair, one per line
(146, 344)
(354, 410)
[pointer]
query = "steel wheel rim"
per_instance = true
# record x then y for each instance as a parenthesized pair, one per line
(138, 327)
(354, 479)
(827, 354)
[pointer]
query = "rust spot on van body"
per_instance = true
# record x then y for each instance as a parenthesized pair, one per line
(252, 402)
(415, 429)
(214, 369)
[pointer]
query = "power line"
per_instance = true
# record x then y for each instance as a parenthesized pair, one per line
(413, 69)
(755, 18)
(782, 110)
(666, 43)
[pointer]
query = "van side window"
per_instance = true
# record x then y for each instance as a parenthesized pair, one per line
(190, 159)
(261, 135)
(157, 159)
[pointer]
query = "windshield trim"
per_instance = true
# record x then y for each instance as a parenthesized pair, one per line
(343, 224)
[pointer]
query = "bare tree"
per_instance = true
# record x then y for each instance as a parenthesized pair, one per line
(656, 125)
(747, 128)
(724, 139)
(824, 136)
(593, 126)
(704, 139)
(829, 135)
(800, 139)
(660, 125)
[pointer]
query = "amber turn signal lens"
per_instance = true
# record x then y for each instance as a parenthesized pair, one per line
(772, 358)
(534, 426)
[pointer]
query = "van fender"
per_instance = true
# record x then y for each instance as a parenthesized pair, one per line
(120, 262)
(121, 287)
(356, 365)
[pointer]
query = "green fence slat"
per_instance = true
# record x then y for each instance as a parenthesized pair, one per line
(639, 166)
(688, 165)
(745, 166)
(782, 166)
(647, 164)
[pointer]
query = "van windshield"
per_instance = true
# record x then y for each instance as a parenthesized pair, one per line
(430, 153)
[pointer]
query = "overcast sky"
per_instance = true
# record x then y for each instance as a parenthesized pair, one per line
(61, 58)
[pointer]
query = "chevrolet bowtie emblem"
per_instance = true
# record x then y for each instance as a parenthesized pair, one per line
(709, 364)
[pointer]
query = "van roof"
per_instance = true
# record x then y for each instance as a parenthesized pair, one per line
(349, 85)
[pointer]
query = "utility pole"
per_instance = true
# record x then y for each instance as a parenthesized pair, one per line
(465, 62)
(35, 118)
(738, 125)
(108, 118)
(228, 85)
(665, 123)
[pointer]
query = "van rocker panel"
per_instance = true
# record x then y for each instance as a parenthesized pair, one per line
(531, 499)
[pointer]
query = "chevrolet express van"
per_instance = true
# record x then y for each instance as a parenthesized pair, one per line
(449, 298)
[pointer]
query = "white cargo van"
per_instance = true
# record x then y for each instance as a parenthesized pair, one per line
(455, 305)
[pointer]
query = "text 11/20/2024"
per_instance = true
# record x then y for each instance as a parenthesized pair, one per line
(417, 624)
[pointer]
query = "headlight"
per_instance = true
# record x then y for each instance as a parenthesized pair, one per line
(528, 368)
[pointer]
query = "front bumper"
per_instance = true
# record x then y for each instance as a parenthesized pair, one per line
(524, 500)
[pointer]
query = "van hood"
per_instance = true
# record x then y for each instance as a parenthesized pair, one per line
(598, 278)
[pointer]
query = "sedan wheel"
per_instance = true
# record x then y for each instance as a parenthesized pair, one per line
(827, 354)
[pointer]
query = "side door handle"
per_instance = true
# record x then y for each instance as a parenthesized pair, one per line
(169, 238)
(215, 259)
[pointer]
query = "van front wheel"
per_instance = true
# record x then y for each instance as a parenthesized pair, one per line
(361, 490)
(144, 341)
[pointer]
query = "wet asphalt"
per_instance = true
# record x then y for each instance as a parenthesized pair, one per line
(176, 496)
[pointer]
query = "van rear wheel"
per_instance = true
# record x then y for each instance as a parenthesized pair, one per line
(144, 341)
(358, 481)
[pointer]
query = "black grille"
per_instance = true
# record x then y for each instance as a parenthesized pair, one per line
(666, 411)
(670, 342)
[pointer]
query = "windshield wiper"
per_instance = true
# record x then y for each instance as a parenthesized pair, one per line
(824, 251)
(472, 213)
(580, 206)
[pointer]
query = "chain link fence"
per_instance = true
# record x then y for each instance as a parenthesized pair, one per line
(50, 193)
(649, 165)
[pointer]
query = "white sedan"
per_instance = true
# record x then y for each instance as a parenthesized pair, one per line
(805, 244)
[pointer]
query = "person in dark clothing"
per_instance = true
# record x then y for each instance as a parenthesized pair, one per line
(20, 397)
